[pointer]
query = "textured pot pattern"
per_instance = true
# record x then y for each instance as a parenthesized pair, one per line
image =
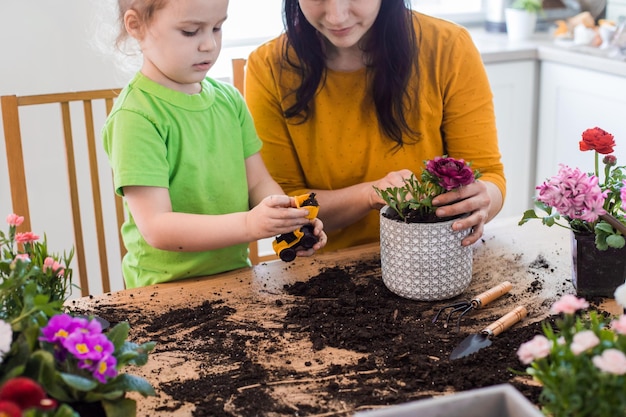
(596, 273)
(424, 261)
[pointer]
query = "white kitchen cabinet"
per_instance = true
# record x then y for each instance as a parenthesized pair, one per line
(616, 9)
(572, 100)
(514, 89)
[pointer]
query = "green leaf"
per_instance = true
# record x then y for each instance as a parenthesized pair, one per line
(108, 394)
(604, 227)
(528, 215)
(118, 334)
(120, 408)
(137, 384)
(78, 382)
(615, 241)
(64, 410)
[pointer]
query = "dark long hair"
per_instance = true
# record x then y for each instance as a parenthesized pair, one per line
(391, 50)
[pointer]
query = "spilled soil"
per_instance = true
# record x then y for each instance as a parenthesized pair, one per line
(336, 344)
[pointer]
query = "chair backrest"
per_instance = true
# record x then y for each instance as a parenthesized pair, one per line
(239, 70)
(75, 141)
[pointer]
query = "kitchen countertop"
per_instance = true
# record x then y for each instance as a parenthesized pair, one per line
(495, 48)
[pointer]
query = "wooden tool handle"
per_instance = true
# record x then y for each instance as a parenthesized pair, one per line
(491, 294)
(506, 321)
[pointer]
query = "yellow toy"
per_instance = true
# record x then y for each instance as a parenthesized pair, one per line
(287, 244)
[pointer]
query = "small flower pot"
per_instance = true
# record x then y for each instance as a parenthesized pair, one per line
(424, 261)
(496, 401)
(596, 273)
(520, 24)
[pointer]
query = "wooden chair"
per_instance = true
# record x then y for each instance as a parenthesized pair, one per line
(239, 69)
(69, 105)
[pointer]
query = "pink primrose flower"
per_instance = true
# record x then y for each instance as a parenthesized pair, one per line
(92, 346)
(105, 368)
(14, 220)
(583, 341)
(536, 348)
(569, 304)
(26, 237)
(50, 264)
(622, 194)
(612, 361)
(451, 173)
(619, 325)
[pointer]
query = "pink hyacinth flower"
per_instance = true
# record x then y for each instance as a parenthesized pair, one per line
(574, 194)
(536, 348)
(583, 341)
(15, 220)
(612, 361)
(569, 304)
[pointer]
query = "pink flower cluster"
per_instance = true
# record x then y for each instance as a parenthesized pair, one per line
(83, 340)
(611, 360)
(574, 194)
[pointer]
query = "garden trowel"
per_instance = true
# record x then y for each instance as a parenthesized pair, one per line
(475, 342)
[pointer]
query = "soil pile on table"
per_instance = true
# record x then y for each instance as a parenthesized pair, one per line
(368, 348)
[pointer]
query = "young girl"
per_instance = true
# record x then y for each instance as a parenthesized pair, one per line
(185, 153)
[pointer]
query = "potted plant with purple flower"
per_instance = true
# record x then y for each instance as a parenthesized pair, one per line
(72, 360)
(421, 256)
(593, 206)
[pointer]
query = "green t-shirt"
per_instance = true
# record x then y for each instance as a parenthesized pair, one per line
(193, 145)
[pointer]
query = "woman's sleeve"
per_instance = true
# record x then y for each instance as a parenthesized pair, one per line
(264, 98)
(469, 125)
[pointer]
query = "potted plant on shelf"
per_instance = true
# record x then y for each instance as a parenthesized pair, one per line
(579, 360)
(421, 256)
(521, 18)
(65, 364)
(594, 211)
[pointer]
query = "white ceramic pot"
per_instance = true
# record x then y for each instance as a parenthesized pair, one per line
(424, 261)
(520, 24)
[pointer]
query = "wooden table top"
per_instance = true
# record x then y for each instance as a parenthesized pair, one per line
(507, 251)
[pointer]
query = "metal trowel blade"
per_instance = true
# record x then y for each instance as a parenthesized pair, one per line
(472, 343)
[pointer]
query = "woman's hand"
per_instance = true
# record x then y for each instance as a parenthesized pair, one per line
(392, 179)
(321, 239)
(481, 199)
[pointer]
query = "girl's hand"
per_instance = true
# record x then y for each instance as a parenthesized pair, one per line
(275, 215)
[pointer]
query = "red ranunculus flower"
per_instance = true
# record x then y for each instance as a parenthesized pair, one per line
(10, 409)
(451, 173)
(598, 140)
(26, 394)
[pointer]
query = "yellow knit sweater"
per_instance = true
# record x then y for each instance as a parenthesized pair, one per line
(342, 144)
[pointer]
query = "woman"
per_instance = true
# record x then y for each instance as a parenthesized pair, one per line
(357, 94)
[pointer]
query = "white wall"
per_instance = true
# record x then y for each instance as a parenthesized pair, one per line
(50, 46)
